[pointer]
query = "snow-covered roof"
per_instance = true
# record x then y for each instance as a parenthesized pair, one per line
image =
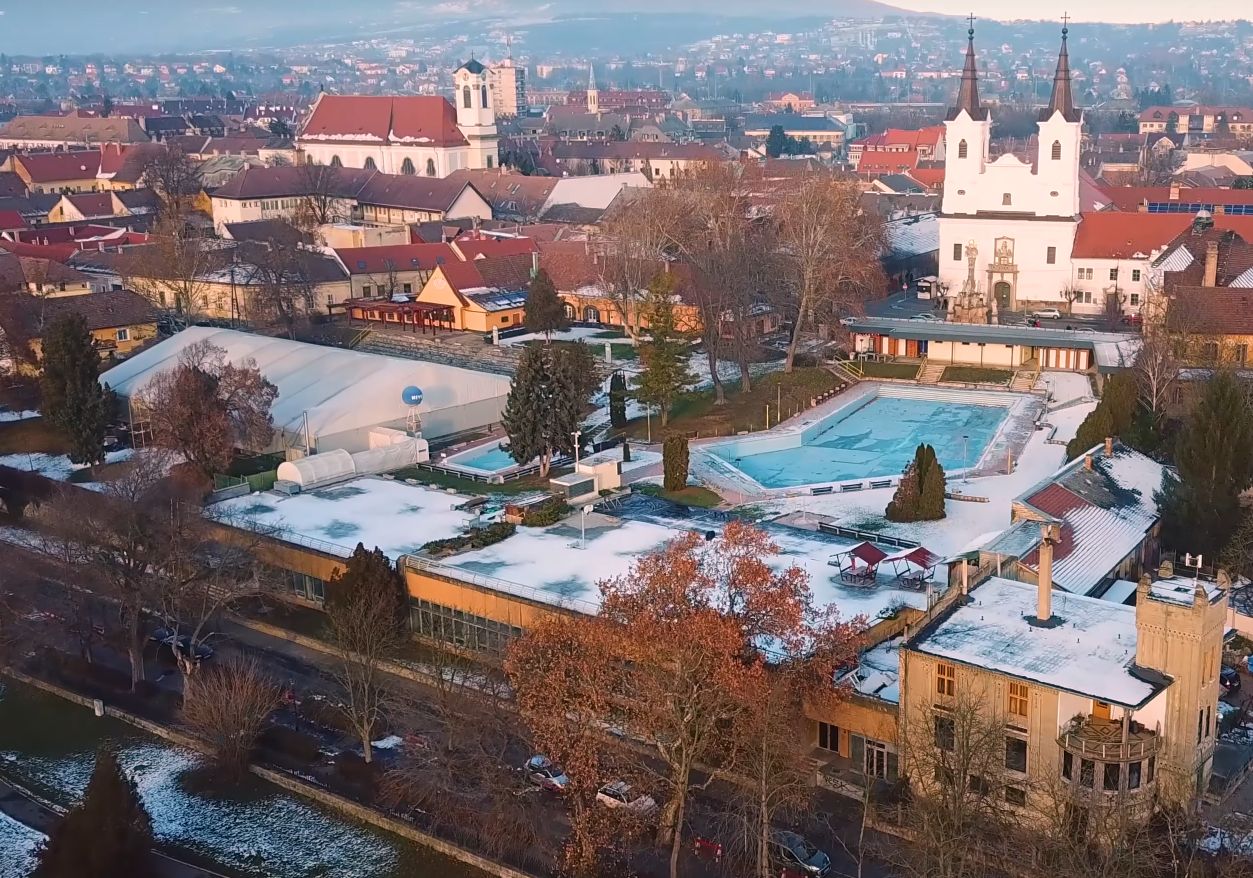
(596, 191)
(877, 674)
(912, 235)
(338, 390)
(1119, 590)
(1182, 589)
(1090, 653)
(394, 516)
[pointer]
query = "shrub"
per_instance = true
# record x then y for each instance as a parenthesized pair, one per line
(478, 538)
(675, 461)
(547, 513)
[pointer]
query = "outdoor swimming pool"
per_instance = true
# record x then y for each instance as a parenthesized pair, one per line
(873, 436)
(484, 459)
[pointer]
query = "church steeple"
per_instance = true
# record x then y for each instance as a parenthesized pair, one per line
(1062, 100)
(593, 96)
(968, 93)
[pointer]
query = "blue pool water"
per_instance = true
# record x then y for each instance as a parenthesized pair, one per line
(489, 460)
(875, 440)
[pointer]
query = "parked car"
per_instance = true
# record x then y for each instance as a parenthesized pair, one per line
(1229, 680)
(167, 637)
(925, 316)
(1051, 313)
(543, 772)
(619, 794)
(792, 852)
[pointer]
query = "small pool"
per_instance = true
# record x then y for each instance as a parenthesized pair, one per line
(874, 436)
(484, 459)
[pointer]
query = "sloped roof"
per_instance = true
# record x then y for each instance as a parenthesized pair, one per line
(571, 264)
(400, 257)
(92, 204)
(291, 180)
(881, 162)
(1129, 198)
(106, 310)
(51, 167)
(1116, 235)
(512, 195)
(416, 193)
(73, 129)
(420, 119)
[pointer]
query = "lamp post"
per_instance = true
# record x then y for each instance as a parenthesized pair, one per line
(577, 434)
(965, 459)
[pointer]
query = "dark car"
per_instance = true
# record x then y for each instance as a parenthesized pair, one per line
(167, 637)
(792, 852)
(1229, 680)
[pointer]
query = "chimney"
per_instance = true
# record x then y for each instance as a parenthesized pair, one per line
(1109, 446)
(1044, 593)
(1166, 569)
(1211, 264)
(534, 263)
(1087, 461)
(1174, 191)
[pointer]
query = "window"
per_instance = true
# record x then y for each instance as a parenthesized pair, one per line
(1056, 154)
(369, 164)
(945, 733)
(1017, 700)
(878, 761)
(491, 161)
(406, 167)
(1016, 755)
(407, 289)
(1113, 274)
(1209, 715)
(460, 628)
(1085, 274)
(430, 167)
(829, 737)
(1135, 298)
(945, 679)
(1110, 777)
(465, 97)
(1135, 275)
(1087, 772)
(505, 319)
(1007, 200)
(1133, 775)
(957, 252)
(335, 162)
(961, 150)
(1050, 256)
(366, 289)
(483, 95)
(1209, 350)
(979, 785)
(1152, 768)
(1241, 353)
(1200, 724)
(1068, 765)
(1015, 796)
(122, 335)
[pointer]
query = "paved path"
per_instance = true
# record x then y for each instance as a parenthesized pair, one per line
(40, 817)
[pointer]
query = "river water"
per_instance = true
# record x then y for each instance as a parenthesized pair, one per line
(48, 745)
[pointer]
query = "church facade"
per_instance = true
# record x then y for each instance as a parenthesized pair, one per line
(419, 135)
(1007, 226)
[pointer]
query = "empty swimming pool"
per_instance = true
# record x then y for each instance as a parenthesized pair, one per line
(483, 459)
(873, 436)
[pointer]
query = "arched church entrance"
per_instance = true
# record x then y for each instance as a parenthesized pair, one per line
(1002, 291)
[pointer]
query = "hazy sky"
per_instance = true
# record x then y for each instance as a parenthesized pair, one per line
(1088, 10)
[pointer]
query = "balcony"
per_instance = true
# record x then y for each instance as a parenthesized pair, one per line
(1102, 740)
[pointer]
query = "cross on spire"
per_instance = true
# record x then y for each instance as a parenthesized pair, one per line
(1065, 22)
(971, 19)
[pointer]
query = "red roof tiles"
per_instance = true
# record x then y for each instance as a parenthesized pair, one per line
(418, 119)
(1117, 235)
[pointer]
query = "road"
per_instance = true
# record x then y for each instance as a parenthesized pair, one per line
(904, 305)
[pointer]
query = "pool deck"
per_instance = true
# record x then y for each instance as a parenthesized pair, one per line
(1006, 444)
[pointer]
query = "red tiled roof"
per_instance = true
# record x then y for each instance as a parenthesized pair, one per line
(415, 193)
(462, 275)
(425, 119)
(403, 257)
(571, 264)
(1161, 114)
(92, 204)
(1116, 235)
(493, 247)
(931, 177)
(51, 167)
(879, 162)
(11, 219)
(1129, 198)
(929, 136)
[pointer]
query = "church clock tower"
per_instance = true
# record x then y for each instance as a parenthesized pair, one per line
(476, 116)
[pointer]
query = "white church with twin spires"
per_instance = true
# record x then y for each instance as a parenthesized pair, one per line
(1007, 227)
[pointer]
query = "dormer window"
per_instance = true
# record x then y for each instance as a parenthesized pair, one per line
(961, 150)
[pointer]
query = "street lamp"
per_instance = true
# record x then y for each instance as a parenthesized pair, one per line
(576, 434)
(965, 459)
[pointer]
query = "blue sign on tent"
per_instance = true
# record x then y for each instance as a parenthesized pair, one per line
(411, 395)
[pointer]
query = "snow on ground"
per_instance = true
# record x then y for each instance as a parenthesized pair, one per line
(24, 415)
(1065, 386)
(391, 742)
(575, 333)
(639, 458)
(18, 844)
(57, 466)
(1067, 420)
(396, 517)
(953, 534)
(270, 834)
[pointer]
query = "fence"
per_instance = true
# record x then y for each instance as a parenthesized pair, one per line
(255, 482)
(866, 535)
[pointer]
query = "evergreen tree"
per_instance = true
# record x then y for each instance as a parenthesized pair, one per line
(931, 484)
(1115, 415)
(545, 312)
(665, 353)
(107, 835)
(546, 402)
(1092, 432)
(73, 399)
(367, 574)
(626, 450)
(617, 401)
(904, 503)
(675, 462)
(1214, 461)
(776, 142)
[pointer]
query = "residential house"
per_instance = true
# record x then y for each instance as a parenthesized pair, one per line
(57, 172)
(927, 142)
(86, 206)
(481, 294)
(654, 160)
(119, 320)
(1207, 281)
(1197, 120)
(62, 132)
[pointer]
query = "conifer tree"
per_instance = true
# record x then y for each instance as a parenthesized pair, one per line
(617, 401)
(73, 399)
(1214, 461)
(904, 503)
(546, 402)
(368, 576)
(545, 312)
(674, 462)
(931, 484)
(665, 352)
(107, 835)
(1114, 415)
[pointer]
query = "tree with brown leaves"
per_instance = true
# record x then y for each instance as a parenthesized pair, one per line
(206, 406)
(229, 709)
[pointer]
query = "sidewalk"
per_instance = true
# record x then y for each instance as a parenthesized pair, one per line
(43, 819)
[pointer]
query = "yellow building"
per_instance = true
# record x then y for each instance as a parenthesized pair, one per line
(481, 294)
(119, 320)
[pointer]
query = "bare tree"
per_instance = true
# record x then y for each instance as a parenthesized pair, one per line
(172, 270)
(175, 178)
(829, 249)
(1157, 375)
(321, 197)
(232, 703)
(282, 292)
(636, 242)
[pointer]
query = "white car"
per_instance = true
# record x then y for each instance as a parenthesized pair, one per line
(620, 795)
(924, 316)
(1051, 313)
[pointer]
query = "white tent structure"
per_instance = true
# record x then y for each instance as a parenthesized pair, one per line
(331, 398)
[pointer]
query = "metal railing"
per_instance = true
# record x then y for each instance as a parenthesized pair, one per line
(1083, 745)
(430, 567)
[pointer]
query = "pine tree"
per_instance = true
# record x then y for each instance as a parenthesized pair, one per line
(675, 462)
(776, 141)
(617, 401)
(545, 311)
(366, 575)
(73, 399)
(1214, 461)
(1114, 415)
(931, 484)
(107, 835)
(1092, 432)
(904, 503)
(665, 353)
(546, 402)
